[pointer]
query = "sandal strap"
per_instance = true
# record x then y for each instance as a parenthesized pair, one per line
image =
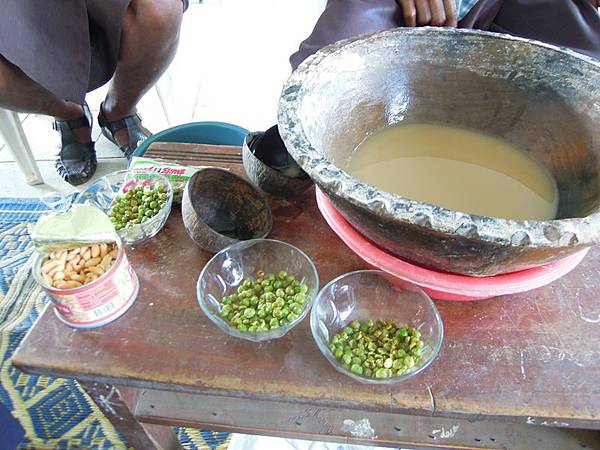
(131, 123)
(84, 121)
(116, 125)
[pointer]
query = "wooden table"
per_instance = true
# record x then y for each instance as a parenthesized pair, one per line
(518, 372)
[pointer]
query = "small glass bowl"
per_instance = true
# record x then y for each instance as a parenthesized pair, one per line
(227, 269)
(102, 193)
(372, 294)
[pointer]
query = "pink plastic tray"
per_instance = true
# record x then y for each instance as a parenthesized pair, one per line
(439, 285)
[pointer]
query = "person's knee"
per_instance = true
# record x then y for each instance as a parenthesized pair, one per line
(3, 77)
(161, 18)
(9, 73)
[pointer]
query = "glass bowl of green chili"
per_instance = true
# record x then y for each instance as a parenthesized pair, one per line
(258, 289)
(137, 202)
(376, 329)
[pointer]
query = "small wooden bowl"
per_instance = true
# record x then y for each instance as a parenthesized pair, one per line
(220, 208)
(270, 167)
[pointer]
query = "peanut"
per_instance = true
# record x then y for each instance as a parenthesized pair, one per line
(92, 262)
(96, 269)
(92, 277)
(56, 269)
(77, 277)
(59, 254)
(58, 276)
(68, 284)
(50, 264)
(77, 267)
(106, 262)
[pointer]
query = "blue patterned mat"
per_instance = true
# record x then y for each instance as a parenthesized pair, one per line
(55, 412)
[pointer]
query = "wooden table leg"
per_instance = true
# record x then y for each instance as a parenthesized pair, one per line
(118, 405)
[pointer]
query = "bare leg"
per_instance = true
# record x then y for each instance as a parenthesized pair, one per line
(20, 93)
(148, 45)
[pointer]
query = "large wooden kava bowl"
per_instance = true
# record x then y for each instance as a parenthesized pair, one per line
(543, 99)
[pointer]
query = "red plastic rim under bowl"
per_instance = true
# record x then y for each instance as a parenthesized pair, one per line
(440, 285)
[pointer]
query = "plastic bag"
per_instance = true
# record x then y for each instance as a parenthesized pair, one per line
(177, 174)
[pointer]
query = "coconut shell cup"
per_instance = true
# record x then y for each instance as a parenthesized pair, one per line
(220, 208)
(270, 167)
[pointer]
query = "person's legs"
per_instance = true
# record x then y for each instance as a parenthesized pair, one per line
(20, 93)
(148, 45)
(574, 24)
(76, 161)
(343, 19)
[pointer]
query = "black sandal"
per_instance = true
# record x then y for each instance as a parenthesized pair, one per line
(135, 132)
(76, 162)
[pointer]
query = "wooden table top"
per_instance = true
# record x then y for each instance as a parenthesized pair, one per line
(532, 358)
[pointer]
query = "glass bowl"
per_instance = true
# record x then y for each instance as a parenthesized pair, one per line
(102, 192)
(227, 269)
(372, 294)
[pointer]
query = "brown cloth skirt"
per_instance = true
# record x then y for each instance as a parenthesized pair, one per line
(70, 47)
(574, 24)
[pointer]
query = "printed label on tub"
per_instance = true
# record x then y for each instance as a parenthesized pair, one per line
(89, 301)
(98, 300)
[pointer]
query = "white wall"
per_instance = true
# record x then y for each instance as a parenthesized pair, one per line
(233, 58)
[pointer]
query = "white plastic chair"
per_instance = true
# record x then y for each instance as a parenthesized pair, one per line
(164, 90)
(18, 146)
(13, 134)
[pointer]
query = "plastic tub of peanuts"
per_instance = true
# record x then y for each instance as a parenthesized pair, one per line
(91, 284)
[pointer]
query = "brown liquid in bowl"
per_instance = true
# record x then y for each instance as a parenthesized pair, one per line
(458, 169)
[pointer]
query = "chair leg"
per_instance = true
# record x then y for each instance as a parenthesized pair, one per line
(17, 144)
(163, 90)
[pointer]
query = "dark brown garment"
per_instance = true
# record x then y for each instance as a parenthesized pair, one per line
(70, 47)
(574, 24)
